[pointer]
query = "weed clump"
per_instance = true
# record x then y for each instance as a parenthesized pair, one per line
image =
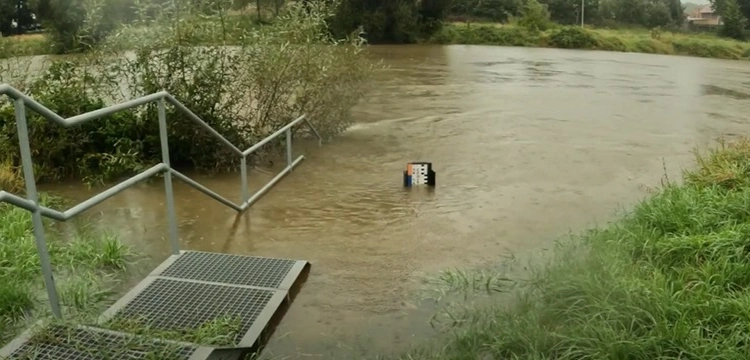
(670, 279)
(572, 38)
(222, 331)
(86, 267)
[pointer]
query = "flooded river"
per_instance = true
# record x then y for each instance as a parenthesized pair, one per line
(527, 144)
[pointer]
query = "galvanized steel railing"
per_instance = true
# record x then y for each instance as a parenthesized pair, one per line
(31, 202)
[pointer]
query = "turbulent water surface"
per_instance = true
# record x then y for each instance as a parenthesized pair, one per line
(527, 144)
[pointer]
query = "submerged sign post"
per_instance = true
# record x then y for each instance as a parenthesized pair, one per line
(419, 173)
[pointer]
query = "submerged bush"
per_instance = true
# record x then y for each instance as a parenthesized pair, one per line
(268, 77)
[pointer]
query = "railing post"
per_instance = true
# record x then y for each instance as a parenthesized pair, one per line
(289, 159)
(243, 171)
(174, 239)
(36, 215)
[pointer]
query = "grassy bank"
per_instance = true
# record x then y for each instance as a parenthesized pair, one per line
(24, 45)
(626, 40)
(87, 263)
(669, 280)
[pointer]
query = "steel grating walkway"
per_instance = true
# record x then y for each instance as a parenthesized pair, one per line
(184, 293)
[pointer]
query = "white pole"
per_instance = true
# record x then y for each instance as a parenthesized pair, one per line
(583, 9)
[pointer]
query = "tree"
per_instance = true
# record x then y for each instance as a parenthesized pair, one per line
(657, 14)
(18, 11)
(8, 11)
(718, 6)
(390, 21)
(495, 10)
(569, 11)
(431, 15)
(535, 16)
(734, 20)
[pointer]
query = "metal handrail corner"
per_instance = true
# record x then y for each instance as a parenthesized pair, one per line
(38, 211)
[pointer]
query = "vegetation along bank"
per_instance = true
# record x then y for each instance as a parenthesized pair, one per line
(244, 81)
(668, 280)
(574, 37)
(659, 26)
(267, 77)
(88, 264)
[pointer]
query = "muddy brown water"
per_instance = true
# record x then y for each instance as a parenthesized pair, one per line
(528, 144)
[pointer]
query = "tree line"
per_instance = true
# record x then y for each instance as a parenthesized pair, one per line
(407, 20)
(66, 18)
(649, 13)
(384, 21)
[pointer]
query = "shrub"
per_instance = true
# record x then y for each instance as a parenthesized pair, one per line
(572, 37)
(447, 35)
(727, 166)
(84, 268)
(493, 35)
(610, 43)
(79, 25)
(535, 16)
(709, 49)
(651, 46)
(100, 149)
(245, 92)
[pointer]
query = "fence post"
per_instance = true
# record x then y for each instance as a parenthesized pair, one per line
(174, 239)
(243, 171)
(36, 216)
(289, 148)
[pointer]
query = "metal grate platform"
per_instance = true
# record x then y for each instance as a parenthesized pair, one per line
(194, 288)
(65, 342)
(230, 269)
(176, 305)
(184, 293)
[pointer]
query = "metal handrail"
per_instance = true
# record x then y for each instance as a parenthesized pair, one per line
(31, 202)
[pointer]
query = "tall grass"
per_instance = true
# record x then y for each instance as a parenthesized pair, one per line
(669, 280)
(86, 267)
(11, 179)
(24, 45)
(624, 40)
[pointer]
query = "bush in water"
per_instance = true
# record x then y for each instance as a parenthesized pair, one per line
(246, 91)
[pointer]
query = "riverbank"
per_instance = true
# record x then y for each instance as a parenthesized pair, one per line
(88, 264)
(574, 37)
(24, 45)
(261, 87)
(667, 279)
(622, 40)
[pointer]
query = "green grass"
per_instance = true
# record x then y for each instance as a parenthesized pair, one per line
(87, 264)
(669, 280)
(221, 331)
(139, 339)
(623, 40)
(24, 45)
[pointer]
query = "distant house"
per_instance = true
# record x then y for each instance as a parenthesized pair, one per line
(704, 17)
